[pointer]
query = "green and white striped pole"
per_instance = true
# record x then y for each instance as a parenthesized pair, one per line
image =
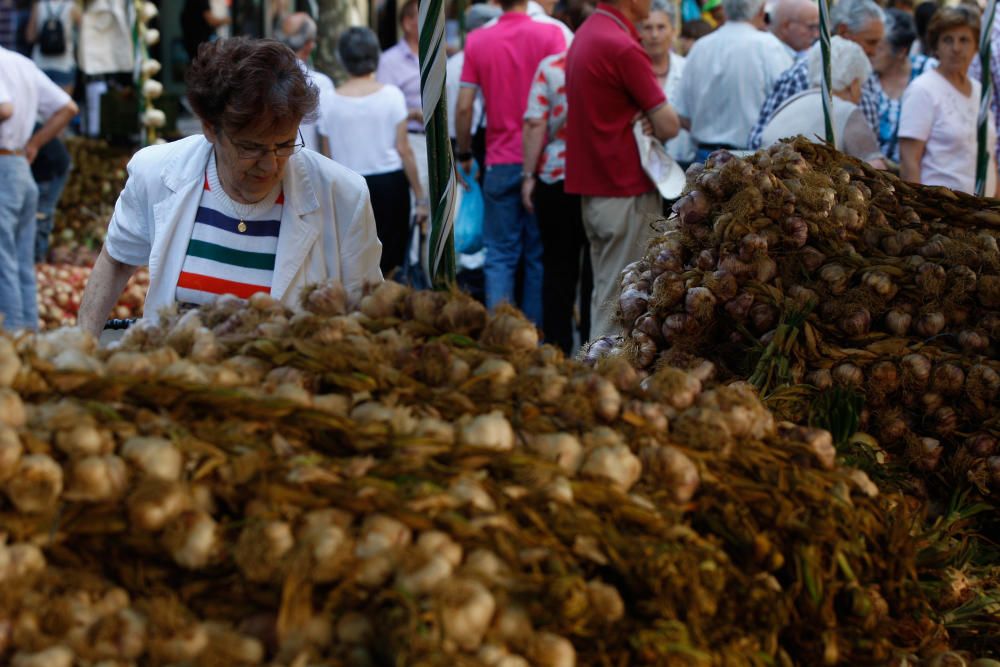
(983, 152)
(439, 258)
(824, 47)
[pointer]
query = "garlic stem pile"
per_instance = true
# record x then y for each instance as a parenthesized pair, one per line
(409, 480)
(813, 276)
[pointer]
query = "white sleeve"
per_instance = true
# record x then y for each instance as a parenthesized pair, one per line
(51, 98)
(129, 238)
(916, 115)
(360, 251)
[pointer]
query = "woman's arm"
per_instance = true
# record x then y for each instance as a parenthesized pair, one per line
(325, 145)
(911, 153)
(533, 141)
(106, 283)
(31, 30)
(410, 168)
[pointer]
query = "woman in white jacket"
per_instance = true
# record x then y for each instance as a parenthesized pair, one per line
(241, 209)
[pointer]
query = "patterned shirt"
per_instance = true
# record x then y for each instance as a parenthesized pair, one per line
(794, 81)
(975, 72)
(228, 255)
(888, 109)
(547, 101)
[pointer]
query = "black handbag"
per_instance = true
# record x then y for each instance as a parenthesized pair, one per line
(52, 36)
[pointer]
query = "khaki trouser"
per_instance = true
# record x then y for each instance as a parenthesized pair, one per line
(618, 229)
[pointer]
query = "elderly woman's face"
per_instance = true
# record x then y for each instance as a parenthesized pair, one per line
(248, 161)
(657, 33)
(956, 48)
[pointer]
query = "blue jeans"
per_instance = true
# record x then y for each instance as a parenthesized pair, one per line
(18, 200)
(510, 235)
(48, 198)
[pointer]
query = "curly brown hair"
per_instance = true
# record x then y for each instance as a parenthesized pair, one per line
(240, 82)
(949, 18)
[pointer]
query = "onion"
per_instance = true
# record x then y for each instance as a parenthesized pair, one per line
(811, 258)
(835, 277)
(981, 444)
(930, 324)
(883, 377)
(764, 317)
(848, 375)
(898, 321)
(795, 232)
(856, 324)
(948, 379)
(930, 278)
(822, 379)
(972, 341)
(738, 308)
(700, 304)
(945, 420)
(916, 369)
(632, 303)
(752, 246)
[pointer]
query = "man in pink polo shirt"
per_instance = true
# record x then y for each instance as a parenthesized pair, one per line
(609, 85)
(500, 61)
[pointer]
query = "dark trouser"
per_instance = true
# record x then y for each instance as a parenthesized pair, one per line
(390, 193)
(563, 243)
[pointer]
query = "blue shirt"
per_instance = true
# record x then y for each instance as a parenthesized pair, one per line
(888, 109)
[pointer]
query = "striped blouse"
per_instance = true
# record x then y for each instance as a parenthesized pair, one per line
(227, 254)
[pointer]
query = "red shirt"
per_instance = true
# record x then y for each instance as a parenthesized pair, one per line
(609, 79)
(501, 59)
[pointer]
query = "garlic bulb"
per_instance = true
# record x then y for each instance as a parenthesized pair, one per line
(491, 431)
(152, 36)
(154, 118)
(149, 11)
(466, 608)
(97, 479)
(54, 656)
(261, 548)
(551, 650)
(605, 601)
(563, 449)
(12, 411)
(616, 464)
(37, 484)
(10, 363)
(10, 452)
(193, 539)
(154, 457)
(155, 502)
(152, 88)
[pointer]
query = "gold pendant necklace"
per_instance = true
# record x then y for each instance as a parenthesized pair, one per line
(242, 226)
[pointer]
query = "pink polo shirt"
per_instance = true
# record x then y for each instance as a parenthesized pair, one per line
(501, 59)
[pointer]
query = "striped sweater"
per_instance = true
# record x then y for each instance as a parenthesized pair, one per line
(225, 257)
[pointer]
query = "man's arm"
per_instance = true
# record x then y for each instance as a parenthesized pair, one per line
(463, 128)
(56, 123)
(6, 111)
(666, 123)
(105, 285)
(533, 141)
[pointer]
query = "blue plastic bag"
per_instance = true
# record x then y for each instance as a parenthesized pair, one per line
(469, 217)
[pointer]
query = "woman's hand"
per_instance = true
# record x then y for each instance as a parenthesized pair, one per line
(527, 193)
(422, 212)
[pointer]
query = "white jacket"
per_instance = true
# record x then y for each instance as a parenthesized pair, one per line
(327, 225)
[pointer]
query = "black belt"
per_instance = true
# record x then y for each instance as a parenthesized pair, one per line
(719, 147)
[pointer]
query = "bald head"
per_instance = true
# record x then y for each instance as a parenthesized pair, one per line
(298, 32)
(795, 22)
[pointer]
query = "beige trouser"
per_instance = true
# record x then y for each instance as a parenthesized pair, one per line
(618, 229)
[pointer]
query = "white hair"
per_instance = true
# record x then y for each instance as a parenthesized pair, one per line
(848, 63)
(741, 10)
(855, 15)
(665, 6)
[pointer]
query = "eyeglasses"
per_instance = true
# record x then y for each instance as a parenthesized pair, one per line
(258, 152)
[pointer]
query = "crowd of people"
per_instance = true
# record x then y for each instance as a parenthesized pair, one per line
(549, 106)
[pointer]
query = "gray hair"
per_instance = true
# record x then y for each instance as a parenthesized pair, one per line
(298, 39)
(479, 14)
(848, 63)
(741, 10)
(900, 30)
(855, 15)
(665, 6)
(359, 51)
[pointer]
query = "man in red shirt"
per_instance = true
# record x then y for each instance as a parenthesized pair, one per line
(610, 85)
(500, 61)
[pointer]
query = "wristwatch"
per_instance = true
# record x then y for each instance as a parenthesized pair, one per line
(525, 175)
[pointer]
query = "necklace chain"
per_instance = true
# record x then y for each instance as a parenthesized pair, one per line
(242, 211)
